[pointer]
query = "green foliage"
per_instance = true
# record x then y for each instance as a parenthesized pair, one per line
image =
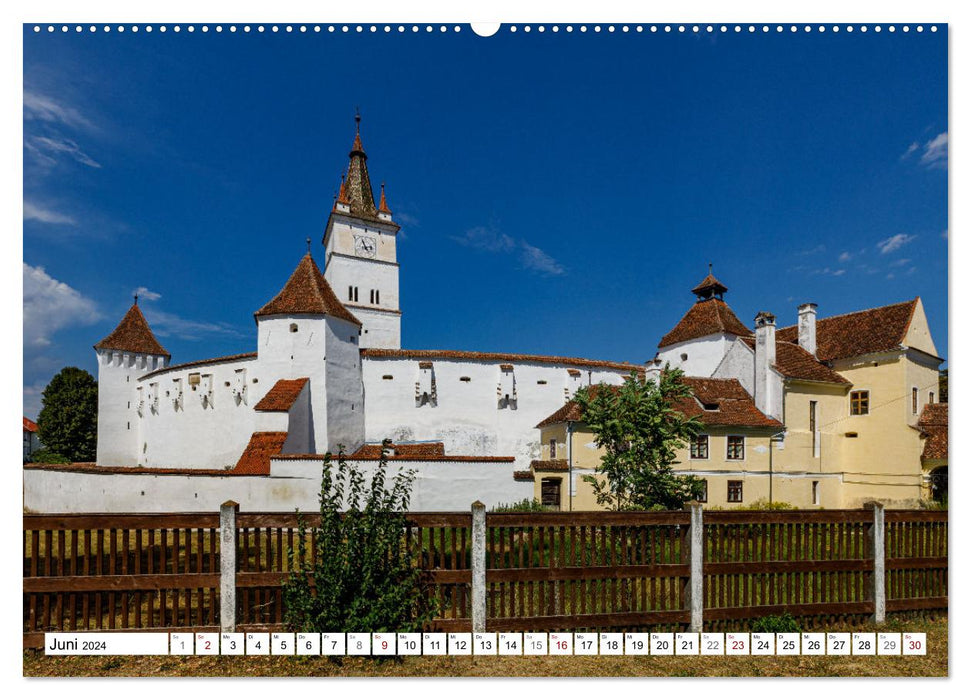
(48, 457)
(68, 422)
(942, 386)
(363, 578)
(641, 431)
(527, 505)
(765, 504)
(776, 623)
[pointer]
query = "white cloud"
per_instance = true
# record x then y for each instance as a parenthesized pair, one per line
(47, 150)
(535, 259)
(166, 324)
(889, 245)
(935, 152)
(406, 219)
(812, 251)
(32, 398)
(37, 212)
(492, 241)
(488, 239)
(839, 272)
(147, 294)
(910, 150)
(50, 305)
(44, 108)
(900, 263)
(845, 257)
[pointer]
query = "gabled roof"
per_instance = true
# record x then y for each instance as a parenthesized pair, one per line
(255, 459)
(29, 425)
(133, 335)
(706, 317)
(933, 424)
(858, 333)
(307, 292)
(282, 395)
(795, 362)
(729, 405)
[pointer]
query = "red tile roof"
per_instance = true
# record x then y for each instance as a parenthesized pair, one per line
(420, 449)
(382, 353)
(524, 475)
(858, 333)
(933, 424)
(411, 458)
(549, 465)
(383, 206)
(307, 292)
(734, 406)
(29, 425)
(794, 362)
(709, 284)
(255, 459)
(282, 395)
(201, 363)
(133, 335)
(705, 317)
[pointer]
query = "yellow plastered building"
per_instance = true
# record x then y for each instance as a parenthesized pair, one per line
(827, 413)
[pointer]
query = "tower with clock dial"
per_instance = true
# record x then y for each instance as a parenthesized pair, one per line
(361, 255)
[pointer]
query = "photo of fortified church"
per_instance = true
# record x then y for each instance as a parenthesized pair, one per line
(827, 411)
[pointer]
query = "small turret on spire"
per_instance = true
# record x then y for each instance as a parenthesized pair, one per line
(384, 213)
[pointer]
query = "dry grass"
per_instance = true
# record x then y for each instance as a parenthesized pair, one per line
(934, 664)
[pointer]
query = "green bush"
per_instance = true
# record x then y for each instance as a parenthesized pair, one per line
(527, 505)
(776, 623)
(48, 457)
(363, 578)
(764, 504)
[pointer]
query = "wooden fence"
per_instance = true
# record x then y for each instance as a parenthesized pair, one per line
(543, 571)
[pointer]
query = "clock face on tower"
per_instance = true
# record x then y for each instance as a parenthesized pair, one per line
(365, 246)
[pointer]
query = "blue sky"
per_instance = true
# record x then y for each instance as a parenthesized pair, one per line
(558, 194)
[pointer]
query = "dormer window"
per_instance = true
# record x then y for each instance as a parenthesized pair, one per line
(708, 406)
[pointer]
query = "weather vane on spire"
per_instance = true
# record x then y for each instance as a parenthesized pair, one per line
(709, 268)
(357, 118)
(136, 298)
(308, 244)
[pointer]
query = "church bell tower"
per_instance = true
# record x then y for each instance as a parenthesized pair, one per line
(361, 248)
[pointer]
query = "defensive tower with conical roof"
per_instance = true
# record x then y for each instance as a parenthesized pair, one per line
(361, 247)
(128, 352)
(698, 342)
(306, 331)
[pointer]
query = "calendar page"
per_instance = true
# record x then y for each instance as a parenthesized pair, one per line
(587, 349)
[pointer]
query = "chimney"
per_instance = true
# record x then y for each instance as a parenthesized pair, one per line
(764, 359)
(807, 327)
(652, 370)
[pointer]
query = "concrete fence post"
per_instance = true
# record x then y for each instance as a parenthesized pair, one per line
(478, 567)
(693, 554)
(876, 534)
(227, 566)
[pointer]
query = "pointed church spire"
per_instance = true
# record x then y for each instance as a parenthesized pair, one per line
(356, 190)
(383, 206)
(134, 335)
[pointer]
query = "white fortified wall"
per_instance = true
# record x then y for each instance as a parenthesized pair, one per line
(463, 402)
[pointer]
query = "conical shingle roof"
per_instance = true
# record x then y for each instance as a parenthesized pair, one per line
(133, 335)
(307, 292)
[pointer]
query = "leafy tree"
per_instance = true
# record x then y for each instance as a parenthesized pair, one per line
(641, 430)
(942, 385)
(362, 577)
(68, 421)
